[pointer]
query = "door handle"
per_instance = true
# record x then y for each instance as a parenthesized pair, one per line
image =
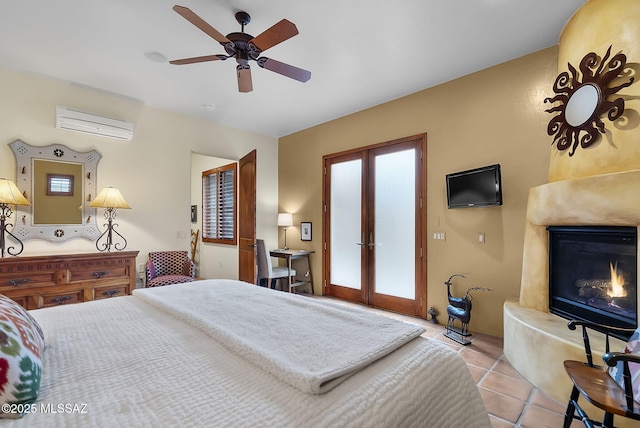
(371, 243)
(361, 243)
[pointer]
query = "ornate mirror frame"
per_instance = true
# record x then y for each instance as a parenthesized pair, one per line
(583, 102)
(24, 226)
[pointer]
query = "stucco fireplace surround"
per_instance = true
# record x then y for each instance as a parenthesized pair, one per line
(536, 342)
(596, 185)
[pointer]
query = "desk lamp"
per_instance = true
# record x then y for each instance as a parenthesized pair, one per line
(285, 220)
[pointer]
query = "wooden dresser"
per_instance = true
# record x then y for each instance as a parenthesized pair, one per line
(49, 280)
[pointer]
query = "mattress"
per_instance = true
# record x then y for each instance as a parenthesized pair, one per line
(125, 362)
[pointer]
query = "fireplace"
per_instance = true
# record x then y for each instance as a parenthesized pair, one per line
(593, 274)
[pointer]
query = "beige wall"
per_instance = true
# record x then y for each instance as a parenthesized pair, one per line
(492, 116)
(152, 171)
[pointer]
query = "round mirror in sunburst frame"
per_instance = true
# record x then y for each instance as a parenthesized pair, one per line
(583, 97)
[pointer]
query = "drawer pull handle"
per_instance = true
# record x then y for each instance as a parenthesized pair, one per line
(18, 282)
(110, 293)
(60, 300)
(101, 273)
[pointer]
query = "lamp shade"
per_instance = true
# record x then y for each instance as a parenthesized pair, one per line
(109, 197)
(285, 219)
(10, 195)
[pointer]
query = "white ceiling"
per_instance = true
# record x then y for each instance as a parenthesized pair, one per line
(360, 52)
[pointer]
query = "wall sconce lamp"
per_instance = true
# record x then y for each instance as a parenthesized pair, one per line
(110, 198)
(9, 195)
(285, 220)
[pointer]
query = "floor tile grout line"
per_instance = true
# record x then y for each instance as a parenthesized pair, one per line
(526, 407)
(489, 370)
(511, 397)
(503, 420)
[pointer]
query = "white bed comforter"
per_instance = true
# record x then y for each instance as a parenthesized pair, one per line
(122, 362)
(308, 344)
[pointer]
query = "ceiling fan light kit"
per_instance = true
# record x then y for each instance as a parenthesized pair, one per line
(245, 48)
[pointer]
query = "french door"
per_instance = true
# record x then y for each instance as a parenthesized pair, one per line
(374, 225)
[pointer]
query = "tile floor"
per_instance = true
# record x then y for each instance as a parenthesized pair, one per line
(510, 399)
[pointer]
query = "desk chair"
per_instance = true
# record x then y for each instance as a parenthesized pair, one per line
(610, 389)
(267, 273)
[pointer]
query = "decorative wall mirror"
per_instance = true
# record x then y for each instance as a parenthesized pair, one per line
(583, 99)
(59, 183)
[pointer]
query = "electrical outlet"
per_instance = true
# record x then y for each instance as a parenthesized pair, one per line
(481, 237)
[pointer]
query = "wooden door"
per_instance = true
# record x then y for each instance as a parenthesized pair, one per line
(247, 219)
(374, 225)
(395, 230)
(345, 222)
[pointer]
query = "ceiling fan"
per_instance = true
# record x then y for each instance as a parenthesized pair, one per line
(244, 47)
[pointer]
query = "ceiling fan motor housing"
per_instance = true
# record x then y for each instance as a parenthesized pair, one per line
(240, 46)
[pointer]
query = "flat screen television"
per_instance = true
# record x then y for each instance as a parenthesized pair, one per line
(480, 187)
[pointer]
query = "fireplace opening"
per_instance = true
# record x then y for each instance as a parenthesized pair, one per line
(593, 274)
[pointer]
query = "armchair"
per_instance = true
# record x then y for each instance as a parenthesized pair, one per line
(609, 388)
(169, 267)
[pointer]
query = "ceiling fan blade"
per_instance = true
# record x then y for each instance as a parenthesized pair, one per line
(190, 16)
(244, 78)
(198, 59)
(285, 69)
(277, 33)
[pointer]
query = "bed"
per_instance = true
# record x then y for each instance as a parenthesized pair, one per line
(227, 353)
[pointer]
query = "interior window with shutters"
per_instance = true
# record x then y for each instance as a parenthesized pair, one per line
(219, 205)
(59, 185)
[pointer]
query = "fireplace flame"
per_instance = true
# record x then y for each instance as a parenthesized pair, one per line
(617, 282)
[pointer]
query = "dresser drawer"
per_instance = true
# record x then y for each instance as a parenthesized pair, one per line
(20, 299)
(22, 280)
(110, 291)
(57, 299)
(100, 272)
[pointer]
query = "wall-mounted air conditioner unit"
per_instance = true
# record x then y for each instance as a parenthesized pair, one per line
(73, 120)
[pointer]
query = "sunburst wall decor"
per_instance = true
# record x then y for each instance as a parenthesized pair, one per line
(583, 102)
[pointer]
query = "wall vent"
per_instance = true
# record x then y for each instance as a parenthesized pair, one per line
(74, 120)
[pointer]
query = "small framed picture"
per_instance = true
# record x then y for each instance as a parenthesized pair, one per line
(194, 213)
(305, 231)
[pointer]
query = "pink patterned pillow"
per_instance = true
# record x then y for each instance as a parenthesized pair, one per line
(633, 347)
(21, 347)
(151, 270)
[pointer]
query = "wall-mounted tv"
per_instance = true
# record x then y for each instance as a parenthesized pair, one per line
(480, 187)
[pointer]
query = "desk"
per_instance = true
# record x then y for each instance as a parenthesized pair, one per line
(290, 255)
